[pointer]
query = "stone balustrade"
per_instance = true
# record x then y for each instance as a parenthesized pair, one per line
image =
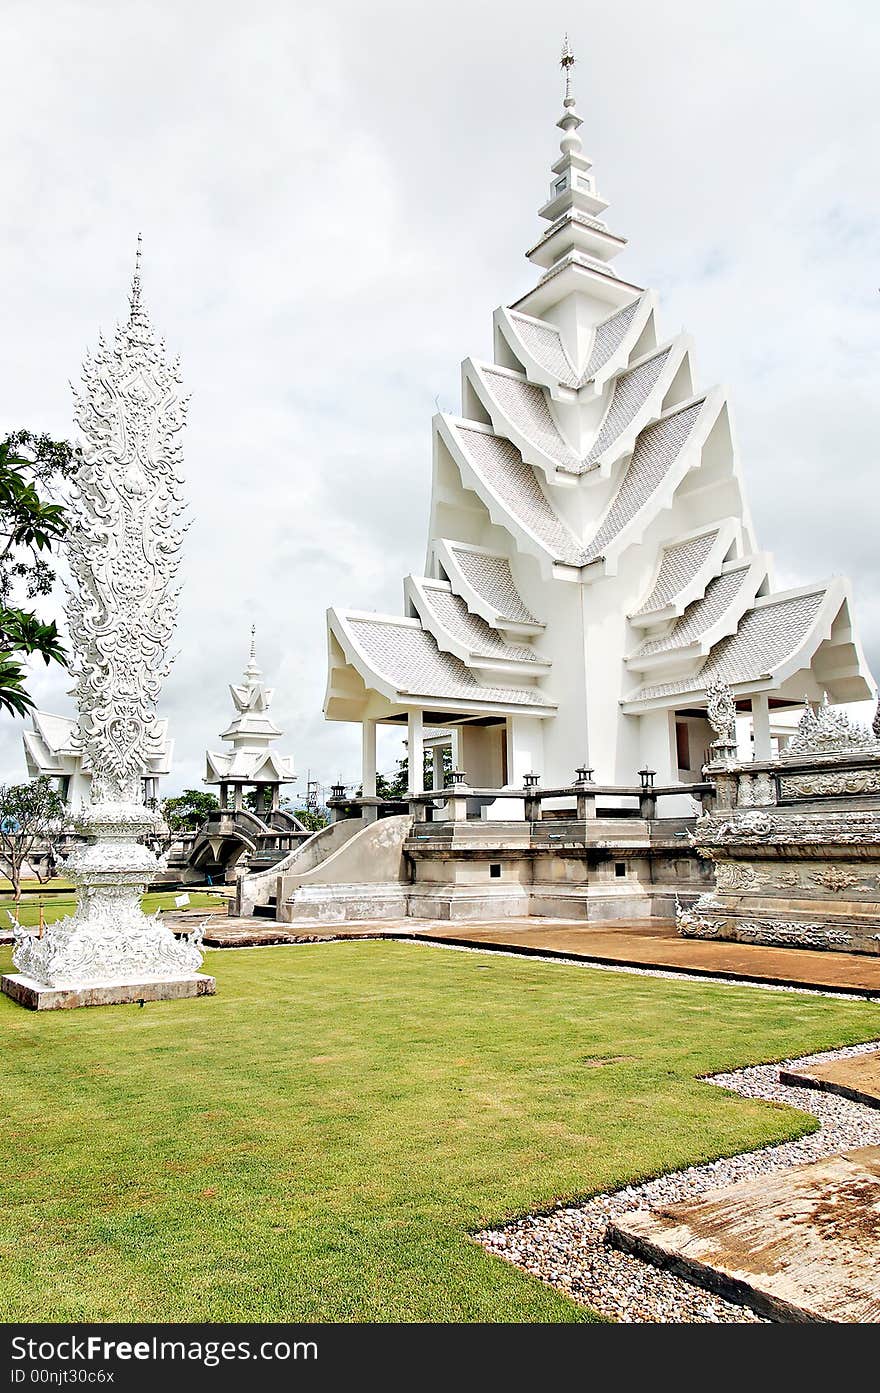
(458, 801)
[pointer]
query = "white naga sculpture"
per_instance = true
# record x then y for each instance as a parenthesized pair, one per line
(124, 552)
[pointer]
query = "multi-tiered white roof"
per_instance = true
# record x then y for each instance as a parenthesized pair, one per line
(251, 733)
(591, 557)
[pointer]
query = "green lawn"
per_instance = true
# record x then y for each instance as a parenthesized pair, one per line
(56, 906)
(317, 1141)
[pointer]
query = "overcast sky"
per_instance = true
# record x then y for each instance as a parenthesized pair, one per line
(335, 196)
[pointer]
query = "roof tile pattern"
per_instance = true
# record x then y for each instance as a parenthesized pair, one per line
(680, 564)
(544, 342)
(631, 390)
(409, 657)
(492, 578)
(702, 614)
(503, 468)
(454, 616)
(657, 448)
(766, 636)
(526, 407)
(608, 337)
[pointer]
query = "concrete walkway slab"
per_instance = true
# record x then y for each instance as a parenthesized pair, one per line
(857, 1078)
(798, 1245)
(653, 943)
(641, 943)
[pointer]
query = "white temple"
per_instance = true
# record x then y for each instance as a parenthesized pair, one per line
(54, 748)
(591, 562)
(251, 732)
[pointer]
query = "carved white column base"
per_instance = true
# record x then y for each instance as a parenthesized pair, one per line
(104, 943)
(108, 942)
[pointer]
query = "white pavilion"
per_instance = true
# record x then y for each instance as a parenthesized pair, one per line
(591, 560)
(250, 763)
(53, 747)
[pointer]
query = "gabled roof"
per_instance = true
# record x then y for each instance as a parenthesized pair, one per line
(657, 448)
(486, 582)
(445, 615)
(525, 407)
(398, 658)
(520, 410)
(726, 594)
(777, 637)
(53, 747)
(501, 475)
(248, 766)
(630, 392)
(680, 565)
(541, 342)
(609, 334)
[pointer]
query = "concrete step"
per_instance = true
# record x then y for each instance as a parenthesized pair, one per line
(795, 1245)
(857, 1078)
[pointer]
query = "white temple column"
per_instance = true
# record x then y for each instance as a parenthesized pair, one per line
(437, 767)
(123, 554)
(761, 725)
(368, 758)
(416, 752)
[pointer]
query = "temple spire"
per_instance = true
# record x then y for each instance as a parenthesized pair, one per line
(576, 239)
(134, 295)
(253, 672)
(571, 143)
(566, 63)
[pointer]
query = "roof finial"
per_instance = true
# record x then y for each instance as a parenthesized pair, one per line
(252, 672)
(134, 297)
(566, 63)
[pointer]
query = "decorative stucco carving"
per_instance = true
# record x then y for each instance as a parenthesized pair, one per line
(755, 791)
(721, 710)
(828, 784)
(835, 878)
(736, 875)
(830, 731)
(788, 933)
(124, 552)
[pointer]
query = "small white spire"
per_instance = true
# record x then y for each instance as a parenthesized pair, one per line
(253, 672)
(134, 296)
(571, 143)
(566, 63)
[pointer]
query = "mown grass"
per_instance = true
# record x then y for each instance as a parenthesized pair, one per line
(318, 1140)
(58, 905)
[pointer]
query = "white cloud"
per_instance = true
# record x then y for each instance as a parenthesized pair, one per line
(334, 197)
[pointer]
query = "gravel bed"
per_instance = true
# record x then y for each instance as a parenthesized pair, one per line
(567, 1248)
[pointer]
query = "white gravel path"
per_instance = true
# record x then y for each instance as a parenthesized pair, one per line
(567, 1248)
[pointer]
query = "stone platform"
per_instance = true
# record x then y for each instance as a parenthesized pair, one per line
(36, 996)
(801, 1245)
(857, 1078)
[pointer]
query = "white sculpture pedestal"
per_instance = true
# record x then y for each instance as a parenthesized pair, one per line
(108, 952)
(36, 996)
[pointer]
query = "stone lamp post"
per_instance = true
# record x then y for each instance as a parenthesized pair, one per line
(124, 551)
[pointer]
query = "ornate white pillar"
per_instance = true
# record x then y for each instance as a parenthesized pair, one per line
(761, 725)
(124, 552)
(415, 752)
(368, 758)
